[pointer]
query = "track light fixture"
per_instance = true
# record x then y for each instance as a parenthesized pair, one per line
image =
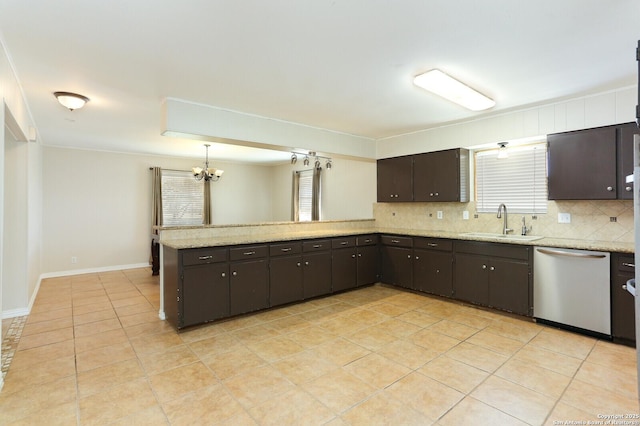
(294, 158)
(307, 159)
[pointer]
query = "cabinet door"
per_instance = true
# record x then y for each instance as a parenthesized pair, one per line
(509, 286)
(472, 281)
(622, 309)
(367, 265)
(343, 268)
(433, 272)
(397, 266)
(625, 159)
(436, 176)
(316, 274)
(582, 165)
(205, 293)
(394, 179)
(249, 283)
(285, 275)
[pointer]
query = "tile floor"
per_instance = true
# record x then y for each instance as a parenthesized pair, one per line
(94, 352)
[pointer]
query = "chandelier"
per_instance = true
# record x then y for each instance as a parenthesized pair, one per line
(207, 173)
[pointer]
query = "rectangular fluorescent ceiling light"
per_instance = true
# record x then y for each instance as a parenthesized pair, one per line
(441, 84)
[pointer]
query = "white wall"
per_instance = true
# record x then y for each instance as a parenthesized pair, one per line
(348, 190)
(603, 109)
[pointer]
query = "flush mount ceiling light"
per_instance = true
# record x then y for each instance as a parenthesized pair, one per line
(71, 100)
(207, 173)
(443, 85)
(502, 152)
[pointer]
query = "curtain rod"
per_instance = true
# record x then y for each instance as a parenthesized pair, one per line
(172, 170)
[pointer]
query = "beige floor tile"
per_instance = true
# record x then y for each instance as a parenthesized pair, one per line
(218, 344)
(397, 328)
(44, 326)
(340, 351)
(495, 342)
(147, 417)
(18, 379)
(83, 301)
(621, 381)
(258, 385)
(105, 377)
(311, 336)
(95, 341)
(46, 338)
(563, 413)
(93, 316)
(210, 405)
(148, 328)
(469, 412)
(564, 342)
(52, 304)
(524, 404)
(596, 400)
(455, 374)
(137, 300)
(31, 357)
(614, 356)
(434, 341)
(389, 309)
(99, 357)
(340, 325)
(205, 331)
(477, 356)
(172, 384)
(140, 308)
(173, 357)
(255, 333)
(295, 407)
(96, 327)
(303, 367)
(137, 319)
(377, 370)
(339, 390)
(275, 348)
(425, 395)
(116, 403)
(225, 366)
(520, 330)
(453, 329)
(155, 342)
(49, 315)
(533, 377)
(550, 360)
(382, 410)
(244, 321)
(371, 338)
(60, 415)
(29, 401)
(407, 353)
(418, 318)
(475, 320)
(128, 292)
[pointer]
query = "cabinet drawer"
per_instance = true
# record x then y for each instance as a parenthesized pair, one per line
(316, 245)
(248, 252)
(393, 240)
(204, 255)
(433, 244)
(625, 264)
(367, 240)
(494, 249)
(283, 249)
(343, 242)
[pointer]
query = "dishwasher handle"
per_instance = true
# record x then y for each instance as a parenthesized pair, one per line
(630, 286)
(571, 254)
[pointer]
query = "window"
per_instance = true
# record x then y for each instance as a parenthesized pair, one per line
(519, 181)
(182, 199)
(306, 195)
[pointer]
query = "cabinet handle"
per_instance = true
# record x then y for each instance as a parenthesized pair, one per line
(368, 240)
(437, 194)
(432, 245)
(408, 256)
(205, 257)
(484, 266)
(317, 245)
(359, 254)
(395, 241)
(234, 273)
(249, 253)
(306, 263)
(344, 243)
(417, 257)
(628, 188)
(298, 264)
(224, 274)
(285, 249)
(437, 271)
(610, 188)
(492, 268)
(353, 256)
(629, 265)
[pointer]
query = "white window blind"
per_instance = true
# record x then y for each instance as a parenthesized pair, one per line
(519, 181)
(305, 195)
(182, 199)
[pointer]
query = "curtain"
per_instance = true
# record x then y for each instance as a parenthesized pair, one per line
(316, 192)
(295, 205)
(156, 207)
(206, 208)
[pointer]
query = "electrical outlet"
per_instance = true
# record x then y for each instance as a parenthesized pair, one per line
(564, 217)
(439, 214)
(74, 259)
(465, 215)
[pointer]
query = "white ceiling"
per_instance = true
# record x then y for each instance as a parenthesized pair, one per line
(343, 65)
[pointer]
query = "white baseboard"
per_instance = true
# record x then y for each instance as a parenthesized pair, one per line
(18, 312)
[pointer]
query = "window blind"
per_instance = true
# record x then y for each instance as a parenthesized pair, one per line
(519, 181)
(305, 195)
(182, 199)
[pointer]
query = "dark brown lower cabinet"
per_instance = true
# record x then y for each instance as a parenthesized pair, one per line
(249, 279)
(367, 263)
(396, 255)
(344, 268)
(285, 277)
(205, 293)
(433, 266)
(316, 274)
(494, 274)
(623, 328)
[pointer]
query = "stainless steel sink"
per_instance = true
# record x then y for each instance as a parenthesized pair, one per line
(496, 236)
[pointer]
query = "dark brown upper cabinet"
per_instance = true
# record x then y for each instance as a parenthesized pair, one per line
(441, 176)
(591, 164)
(395, 179)
(432, 176)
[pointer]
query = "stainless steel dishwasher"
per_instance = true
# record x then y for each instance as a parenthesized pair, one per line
(571, 288)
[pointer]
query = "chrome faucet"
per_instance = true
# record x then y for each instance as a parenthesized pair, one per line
(505, 230)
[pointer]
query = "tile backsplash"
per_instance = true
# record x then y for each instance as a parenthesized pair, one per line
(590, 220)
